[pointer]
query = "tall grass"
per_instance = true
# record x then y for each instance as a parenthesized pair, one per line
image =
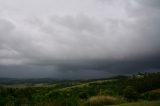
(102, 100)
(142, 103)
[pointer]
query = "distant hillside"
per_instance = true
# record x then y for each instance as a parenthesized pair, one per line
(48, 80)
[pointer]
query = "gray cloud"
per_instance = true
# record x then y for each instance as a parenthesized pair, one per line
(149, 3)
(122, 37)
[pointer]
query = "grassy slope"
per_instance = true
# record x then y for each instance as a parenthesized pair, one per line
(144, 103)
(86, 84)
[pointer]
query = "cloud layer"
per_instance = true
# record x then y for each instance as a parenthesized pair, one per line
(75, 37)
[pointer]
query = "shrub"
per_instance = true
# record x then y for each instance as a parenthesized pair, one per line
(152, 95)
(107, 92)
(130, 93)
(83, 95)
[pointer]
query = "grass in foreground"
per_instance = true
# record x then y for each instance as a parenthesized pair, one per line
(143, 103)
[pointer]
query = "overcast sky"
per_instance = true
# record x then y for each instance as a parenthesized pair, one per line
(78, 38)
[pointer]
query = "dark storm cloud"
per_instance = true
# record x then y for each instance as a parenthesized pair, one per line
(117, 66)
(85, 40)
(23, 71)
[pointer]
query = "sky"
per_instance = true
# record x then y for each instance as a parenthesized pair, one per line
(78, 39)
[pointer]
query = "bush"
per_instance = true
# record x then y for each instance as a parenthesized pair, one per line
(130, 93)
(107, 92)
(152, 95)
(83, 95)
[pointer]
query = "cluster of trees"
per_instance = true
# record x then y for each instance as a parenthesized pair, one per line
(145, 82)
(139, 86)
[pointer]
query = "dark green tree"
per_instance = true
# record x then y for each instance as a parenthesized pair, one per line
(130, 93)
